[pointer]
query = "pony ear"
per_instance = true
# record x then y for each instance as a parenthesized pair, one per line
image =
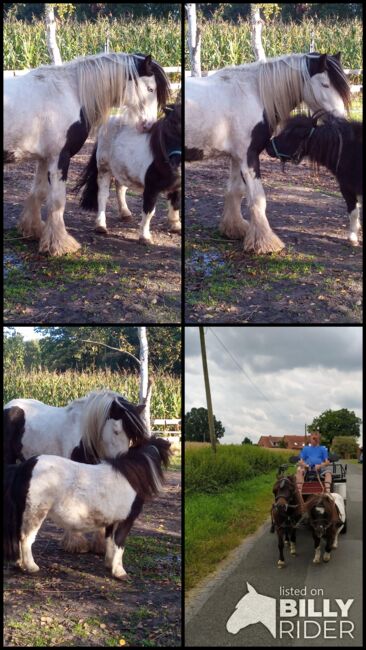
(251, 589)
(337, 56)
(115, 412)
(140, 408)
(148, 64)
(322, 63)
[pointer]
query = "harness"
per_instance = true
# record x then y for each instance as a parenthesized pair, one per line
(275, 506)
(299, 153)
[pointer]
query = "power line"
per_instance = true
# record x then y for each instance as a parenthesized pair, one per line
(244, 373)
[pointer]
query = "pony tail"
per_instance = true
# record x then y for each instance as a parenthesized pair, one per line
(11, 516)
(89, 180)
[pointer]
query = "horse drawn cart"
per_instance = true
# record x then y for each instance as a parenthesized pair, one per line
(314, 484)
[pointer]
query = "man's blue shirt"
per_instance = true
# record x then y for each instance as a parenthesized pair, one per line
(314, 455)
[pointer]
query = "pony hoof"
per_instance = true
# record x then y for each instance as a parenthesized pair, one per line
(316, 560)
(121, 576)
(176, 228)
(281, 564)
(101, 229)
(126, 216)
(144, 241)
(286, 543)
(326, 557)
(292, 552)
(32, 569)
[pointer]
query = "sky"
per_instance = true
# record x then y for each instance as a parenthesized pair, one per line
(295, 374)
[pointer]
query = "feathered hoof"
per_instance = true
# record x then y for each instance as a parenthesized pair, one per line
(30, 230)
(236, 230)
(281, 564)
(101, 229)
(262, 244)
(59, 245)
(145, 242)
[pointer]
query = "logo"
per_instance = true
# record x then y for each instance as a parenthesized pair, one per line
(328, 621)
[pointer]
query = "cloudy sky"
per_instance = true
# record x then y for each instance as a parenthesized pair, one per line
(289, 376)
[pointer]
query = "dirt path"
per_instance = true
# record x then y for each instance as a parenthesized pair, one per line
(74, 601)
(112, 278)
(316, 279)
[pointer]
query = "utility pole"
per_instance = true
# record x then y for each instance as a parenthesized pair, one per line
(305, 435)
(208, 392)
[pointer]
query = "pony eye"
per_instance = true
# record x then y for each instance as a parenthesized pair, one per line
(325, 85)
(151, 90)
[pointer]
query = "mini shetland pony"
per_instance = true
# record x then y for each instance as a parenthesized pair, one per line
(336, 144)
(326, 518)
(235, 111)
(80, 498)
(143, 161)
(100, 425)
(48, 114)
(285, 514)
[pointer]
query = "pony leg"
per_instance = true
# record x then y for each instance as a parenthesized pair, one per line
(259, 237)
(114, 551)
(335, 543)
(293, 542)
(328, 545)
(124, 211)
(150, 197)
(354, 221)
(55, 239)
(281, 562)
(173, 211)
(104, 181)
(30, 223)
(316, 539)
(26, 561)
(353, 214)
(232, 223)
(74, 542)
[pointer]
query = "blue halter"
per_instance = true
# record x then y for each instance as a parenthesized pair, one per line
(299, 153)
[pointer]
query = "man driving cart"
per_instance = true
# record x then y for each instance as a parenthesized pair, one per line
(314, 457)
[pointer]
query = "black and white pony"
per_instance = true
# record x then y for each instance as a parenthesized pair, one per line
(235, 111)
(335, 143)
(326, 518)
(148, 162)
(80, 498)
(100, 425)
(48, 114)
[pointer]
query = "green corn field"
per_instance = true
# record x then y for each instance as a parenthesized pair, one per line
(58, 388)
(25, 43)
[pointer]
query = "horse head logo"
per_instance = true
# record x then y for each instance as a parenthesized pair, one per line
(253, 608)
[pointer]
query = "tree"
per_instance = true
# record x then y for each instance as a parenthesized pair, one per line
(282, 443)
(196, 426)
(247, 441)
(13, 353)
(345, 446)
(194, 40)
(336, 423)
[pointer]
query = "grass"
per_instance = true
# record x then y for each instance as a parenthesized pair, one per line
(216, 523)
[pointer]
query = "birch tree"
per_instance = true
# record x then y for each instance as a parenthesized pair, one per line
(145, 384)
(194, 40)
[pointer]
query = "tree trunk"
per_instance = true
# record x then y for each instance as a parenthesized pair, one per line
(194, 40)
(257, 23)
(51, 36)
(145, 385)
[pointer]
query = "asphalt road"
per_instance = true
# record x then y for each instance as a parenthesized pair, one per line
(255, 562)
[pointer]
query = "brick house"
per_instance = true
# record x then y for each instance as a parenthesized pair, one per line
(274, 442)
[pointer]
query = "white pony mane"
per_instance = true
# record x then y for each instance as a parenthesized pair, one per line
(281, 83)
(95, 409)
(107, 75)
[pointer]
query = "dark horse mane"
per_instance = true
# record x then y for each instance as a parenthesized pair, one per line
(162, 81)
(337, 76)
(140, 465)
(325, 147)
(166, 131)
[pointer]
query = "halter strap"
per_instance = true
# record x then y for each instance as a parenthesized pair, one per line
(175, 152)
(295, 156)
